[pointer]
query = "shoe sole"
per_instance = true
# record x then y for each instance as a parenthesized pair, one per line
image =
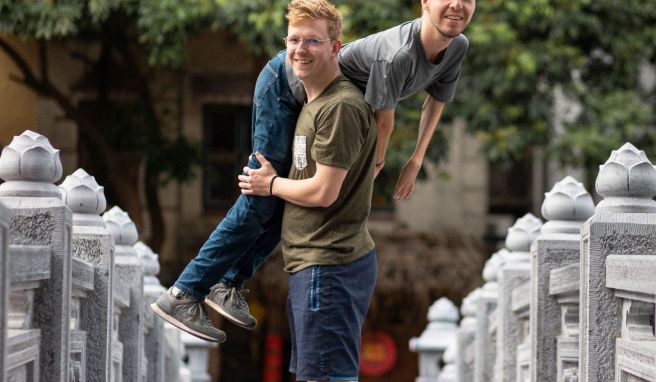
(171, 320)
(227, 315)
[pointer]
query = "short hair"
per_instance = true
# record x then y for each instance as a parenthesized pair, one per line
(302, 10)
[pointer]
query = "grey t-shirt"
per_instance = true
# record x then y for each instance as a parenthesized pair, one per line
(391, 65)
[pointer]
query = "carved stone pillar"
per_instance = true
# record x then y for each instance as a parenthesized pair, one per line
(129, 272)
(565, 208)
(198, 352)
(624, 224)
(155, 342)
(485, 305)
(438, 335)
(30, 166)
(466, 338)
(93, 244)
(514, 272)
(4, 287)
(564, 288)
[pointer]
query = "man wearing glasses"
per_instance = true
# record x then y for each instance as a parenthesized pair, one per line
(424, 54)
(325, 243)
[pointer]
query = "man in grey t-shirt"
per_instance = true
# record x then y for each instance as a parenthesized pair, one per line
(424, 54)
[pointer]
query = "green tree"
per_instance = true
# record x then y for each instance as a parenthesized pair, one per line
(138, 41)
(523, 53)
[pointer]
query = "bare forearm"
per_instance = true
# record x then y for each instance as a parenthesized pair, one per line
(384, 128)
(430, 116)
(305, 192)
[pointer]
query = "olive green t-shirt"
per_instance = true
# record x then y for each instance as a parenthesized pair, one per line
(336, 129)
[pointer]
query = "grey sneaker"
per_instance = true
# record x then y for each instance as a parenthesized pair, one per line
(187, 314)
(230, 303)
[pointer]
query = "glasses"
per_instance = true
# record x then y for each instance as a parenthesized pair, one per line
(293, 42)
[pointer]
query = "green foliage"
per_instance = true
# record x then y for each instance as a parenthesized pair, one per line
(521, 51)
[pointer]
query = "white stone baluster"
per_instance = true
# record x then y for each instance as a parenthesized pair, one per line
(30, 166)
(466, 337)
(175, 369)
(155, 344)
(128, 271)
(198, 353)
(515, 271)
(565, 208)
(450, 371)
(485, 305)
(4, 288)
(564, 287)
(521, 300)
(617, 243)
(92, 244)
(121, 301)
(438, 335)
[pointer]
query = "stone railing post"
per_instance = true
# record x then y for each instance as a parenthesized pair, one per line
(466, 337)
(4, 288)
(129, 272)
(438, 335)
(515, 271)
(450, 371)
(198, 353)
(121, 301)
(565, 208)
(521, 300)
(564, 288)
(624, 224)
(174, 355)
(30, 166)
(155, 342)
(485, 305)
(93, 244)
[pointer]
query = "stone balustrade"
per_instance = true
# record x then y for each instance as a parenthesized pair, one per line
(574, 299)
(74, 286)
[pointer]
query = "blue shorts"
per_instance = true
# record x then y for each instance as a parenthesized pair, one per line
(326, 307)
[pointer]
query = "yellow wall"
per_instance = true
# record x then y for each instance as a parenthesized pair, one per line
(17, 103)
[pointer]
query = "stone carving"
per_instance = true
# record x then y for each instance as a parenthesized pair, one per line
(121, 226)
(515, 271)
(82, 194)
(627, 181)
(566, 207)
(154, 342)
(525, 230)
(438, 335)
(30, 166)
(129, 272)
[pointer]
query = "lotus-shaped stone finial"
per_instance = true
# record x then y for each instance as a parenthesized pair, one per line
(468, 308)
(443, 310)
(148, 258)
(30, 158)
(523, 233)
(82, 194)
(121, 227)
(493, 264)
(566, 207)
(627, 181)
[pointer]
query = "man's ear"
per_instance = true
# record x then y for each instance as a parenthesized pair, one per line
(424, 4)
(337, 45)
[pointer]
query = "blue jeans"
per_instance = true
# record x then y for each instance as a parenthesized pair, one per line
(245, 238)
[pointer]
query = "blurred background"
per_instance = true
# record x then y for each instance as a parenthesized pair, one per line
(153, 98)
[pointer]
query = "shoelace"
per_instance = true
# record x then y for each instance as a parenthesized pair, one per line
(237, 297)
(199, 310)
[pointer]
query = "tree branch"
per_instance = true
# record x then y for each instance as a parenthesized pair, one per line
(29, 79)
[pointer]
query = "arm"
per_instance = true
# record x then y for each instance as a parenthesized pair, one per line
(384, 127)
(430, 116)
(321, 190)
